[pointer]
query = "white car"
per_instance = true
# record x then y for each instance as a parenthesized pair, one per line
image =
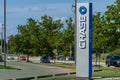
(10, 57)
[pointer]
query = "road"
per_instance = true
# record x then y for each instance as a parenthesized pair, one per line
(36, 60)
(32, 70)
(29, 70)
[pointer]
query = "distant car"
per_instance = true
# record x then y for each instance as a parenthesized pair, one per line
(71, 58)
(61, 57)
(22, 58)
(45, 59)
(10, 57)
(113, 60)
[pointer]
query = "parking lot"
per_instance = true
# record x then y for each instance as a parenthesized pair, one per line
(29, 70)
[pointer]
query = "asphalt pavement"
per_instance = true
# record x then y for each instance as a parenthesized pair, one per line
(30, 70)
(34, 71)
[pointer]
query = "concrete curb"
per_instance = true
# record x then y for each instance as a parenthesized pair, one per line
(28, 78)
(65, 74)
(61, 74)
(44, 76)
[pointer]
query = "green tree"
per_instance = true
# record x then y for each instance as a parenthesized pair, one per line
(14, 43)
(99, 38)
(30, 39)
(42, 37)
(66, 38)
(51, 30)
(112, 16)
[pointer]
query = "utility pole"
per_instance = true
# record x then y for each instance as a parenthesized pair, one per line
(75, 11)
(4, 33)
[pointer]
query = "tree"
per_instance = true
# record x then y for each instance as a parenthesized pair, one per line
(14, 43)
(112, 16)
(99, 38)
(51, 30)
(42, 37)
(66, 38)
(39, 37)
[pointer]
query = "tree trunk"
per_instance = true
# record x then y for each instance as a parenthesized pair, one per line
(96, 58)
(103, 57)
(27, 57)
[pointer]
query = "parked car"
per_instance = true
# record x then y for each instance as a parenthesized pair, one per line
(22, 58)
(113, 60)
(45, 59)
(61, 57)
(10, 57)
(71, 58)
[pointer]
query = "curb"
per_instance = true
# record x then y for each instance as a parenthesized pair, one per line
(61, 74)
(64, 74)
(28, 78)
(43, 76)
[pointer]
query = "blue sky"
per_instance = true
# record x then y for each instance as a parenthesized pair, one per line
(19, 10)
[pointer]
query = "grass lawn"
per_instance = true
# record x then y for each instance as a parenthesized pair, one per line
(7, 67)
(106, 71)
(71, 66)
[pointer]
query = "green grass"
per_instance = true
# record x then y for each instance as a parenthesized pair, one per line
(71, 66)
(7, 67)
(107, 71)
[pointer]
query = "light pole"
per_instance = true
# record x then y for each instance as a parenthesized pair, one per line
(5, 33)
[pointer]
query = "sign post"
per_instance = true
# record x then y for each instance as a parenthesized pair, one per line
(84, 40)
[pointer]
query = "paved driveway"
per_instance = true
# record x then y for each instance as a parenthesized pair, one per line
(30, 70)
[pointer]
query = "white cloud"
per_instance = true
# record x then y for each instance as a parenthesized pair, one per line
(18, 14)
(61, 18)
(53, 9)
(17, 10)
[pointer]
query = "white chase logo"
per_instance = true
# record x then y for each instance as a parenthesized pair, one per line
(82, 27)
(82, 32)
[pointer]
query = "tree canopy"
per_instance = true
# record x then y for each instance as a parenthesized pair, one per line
(41, 37)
